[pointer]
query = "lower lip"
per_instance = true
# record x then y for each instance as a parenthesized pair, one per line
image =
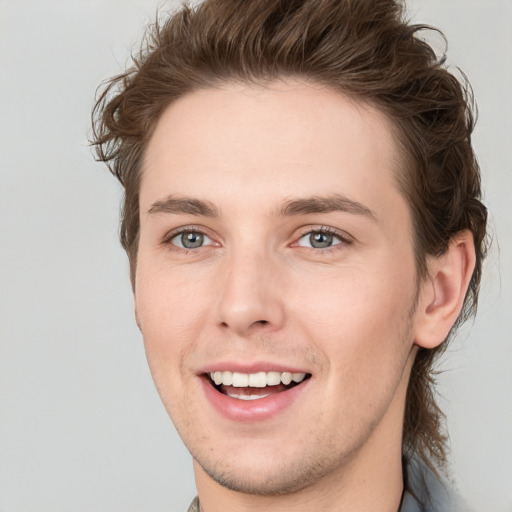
(248, 411)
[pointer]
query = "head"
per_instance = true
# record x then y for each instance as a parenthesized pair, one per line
(363, 55)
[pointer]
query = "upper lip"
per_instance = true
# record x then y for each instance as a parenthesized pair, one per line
(255, 367)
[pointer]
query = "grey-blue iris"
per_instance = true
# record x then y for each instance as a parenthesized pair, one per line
(320, 240)
(192, 240)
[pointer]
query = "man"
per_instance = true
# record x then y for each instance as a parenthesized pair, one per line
(304, 228)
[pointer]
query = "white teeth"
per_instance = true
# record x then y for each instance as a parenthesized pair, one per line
(246, 397)
(286, 378)
(240, 380)
(227, 378)
(273, 378)
(255, 380)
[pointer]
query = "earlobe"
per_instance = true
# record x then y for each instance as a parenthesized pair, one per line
(443, 291)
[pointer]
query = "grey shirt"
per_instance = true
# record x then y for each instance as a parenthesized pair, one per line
(428, 493)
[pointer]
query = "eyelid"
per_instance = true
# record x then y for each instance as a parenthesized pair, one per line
(173, 233)
(345, 240)
(342, 235)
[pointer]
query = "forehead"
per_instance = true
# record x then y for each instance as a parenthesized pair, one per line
(296, 138)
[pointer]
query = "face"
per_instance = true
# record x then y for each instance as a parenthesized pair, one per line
(275, 283)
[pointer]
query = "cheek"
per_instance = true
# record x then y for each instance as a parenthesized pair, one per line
(169, 312)
(361, 319)
(360, 328)
(167, 298)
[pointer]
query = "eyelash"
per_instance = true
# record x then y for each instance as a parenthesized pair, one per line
(324, 230)
(167, 241)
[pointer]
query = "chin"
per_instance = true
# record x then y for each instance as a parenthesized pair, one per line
(279, 481)
(277, 473)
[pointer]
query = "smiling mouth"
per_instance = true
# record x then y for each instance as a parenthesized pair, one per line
(254, 386)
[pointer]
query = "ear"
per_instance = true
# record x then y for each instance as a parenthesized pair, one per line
(443, 291)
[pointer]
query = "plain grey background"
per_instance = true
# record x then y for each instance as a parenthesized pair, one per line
(81, 427)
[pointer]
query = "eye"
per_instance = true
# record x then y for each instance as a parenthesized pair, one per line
(320, 239)
(190, 240)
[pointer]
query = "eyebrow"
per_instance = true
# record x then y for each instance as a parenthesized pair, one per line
(184, 205)
(299, 206)
(325, 204)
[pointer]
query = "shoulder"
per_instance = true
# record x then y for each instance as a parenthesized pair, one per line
(194, 506)
(425, 492)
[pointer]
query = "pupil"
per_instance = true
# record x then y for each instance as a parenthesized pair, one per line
(320, 240)
(192, 240)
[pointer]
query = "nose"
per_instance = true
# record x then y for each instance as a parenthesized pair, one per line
(251, 294)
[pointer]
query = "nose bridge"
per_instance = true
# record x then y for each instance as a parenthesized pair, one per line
(249, 296)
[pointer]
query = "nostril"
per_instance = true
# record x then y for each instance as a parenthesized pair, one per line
(245, 326)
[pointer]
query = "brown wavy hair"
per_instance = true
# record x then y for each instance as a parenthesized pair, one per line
(365, 49)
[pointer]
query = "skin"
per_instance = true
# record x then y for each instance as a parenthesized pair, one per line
(351, 314)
